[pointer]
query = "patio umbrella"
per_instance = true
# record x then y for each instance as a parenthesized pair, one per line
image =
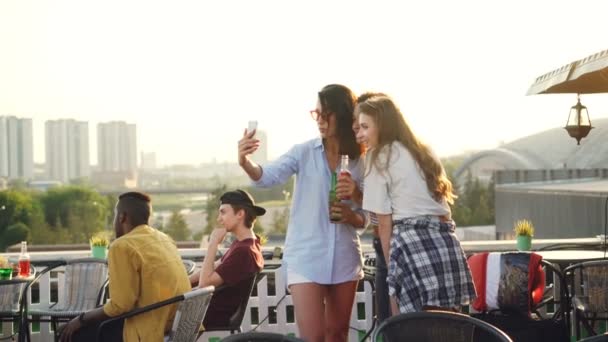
(586, 76)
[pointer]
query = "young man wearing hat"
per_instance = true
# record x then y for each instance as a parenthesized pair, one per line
(237, 214)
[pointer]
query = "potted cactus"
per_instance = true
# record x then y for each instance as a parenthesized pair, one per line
(99, 245)
(524, 231)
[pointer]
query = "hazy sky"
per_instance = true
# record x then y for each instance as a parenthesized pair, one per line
(191, 74)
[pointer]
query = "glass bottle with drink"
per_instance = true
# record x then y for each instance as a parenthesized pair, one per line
(24, 261)
(333, 198)
(344, 172)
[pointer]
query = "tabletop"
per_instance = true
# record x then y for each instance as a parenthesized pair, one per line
(572, 255)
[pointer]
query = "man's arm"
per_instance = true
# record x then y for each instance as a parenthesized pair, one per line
(207, 274)
(90, 317)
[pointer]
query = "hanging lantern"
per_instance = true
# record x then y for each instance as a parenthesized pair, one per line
(578, 125)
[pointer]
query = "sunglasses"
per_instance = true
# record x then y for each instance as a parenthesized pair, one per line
(323, 115)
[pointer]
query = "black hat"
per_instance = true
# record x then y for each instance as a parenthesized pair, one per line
(240, 197)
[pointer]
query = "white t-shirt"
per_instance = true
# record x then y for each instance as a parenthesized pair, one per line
(399, 190)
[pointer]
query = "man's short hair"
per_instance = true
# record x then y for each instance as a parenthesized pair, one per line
(137, 206)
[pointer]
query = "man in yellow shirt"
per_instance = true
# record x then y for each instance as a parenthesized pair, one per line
(144, 268)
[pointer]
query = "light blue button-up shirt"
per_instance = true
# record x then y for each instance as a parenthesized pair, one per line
(319, 250)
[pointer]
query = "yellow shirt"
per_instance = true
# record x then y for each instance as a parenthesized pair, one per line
(144, 268)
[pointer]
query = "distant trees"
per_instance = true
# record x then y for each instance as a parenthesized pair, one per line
(73, 214)
(177, 227)
(61, 215)
(18, 212)
(475, 203)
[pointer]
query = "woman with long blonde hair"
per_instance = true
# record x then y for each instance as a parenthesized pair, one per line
(407, 188)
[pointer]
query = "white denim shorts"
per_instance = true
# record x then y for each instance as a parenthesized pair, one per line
(294, 277)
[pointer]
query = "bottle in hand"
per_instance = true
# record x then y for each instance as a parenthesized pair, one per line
(344, 172)
(333, 217)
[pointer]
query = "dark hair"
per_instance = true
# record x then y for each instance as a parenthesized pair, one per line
(249, 214)
(137, 206)
(340, 100)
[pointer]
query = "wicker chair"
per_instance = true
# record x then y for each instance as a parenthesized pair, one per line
(437, 326)
(598, 338)
(11, 304)
(589, 288)
(188, 317)
(82, 289)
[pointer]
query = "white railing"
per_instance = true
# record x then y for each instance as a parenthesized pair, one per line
(263, 302)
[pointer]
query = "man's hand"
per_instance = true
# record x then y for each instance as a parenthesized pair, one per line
(69, 330)
(217, 236)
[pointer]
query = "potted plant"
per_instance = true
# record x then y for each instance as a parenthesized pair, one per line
(99, 245)
(524, 231)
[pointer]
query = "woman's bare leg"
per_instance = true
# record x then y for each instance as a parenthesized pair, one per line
(308, 302)
(338, 307)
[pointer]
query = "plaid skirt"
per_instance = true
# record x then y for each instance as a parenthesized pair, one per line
(427, 265)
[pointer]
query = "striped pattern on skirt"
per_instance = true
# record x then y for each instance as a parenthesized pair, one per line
(427, 265)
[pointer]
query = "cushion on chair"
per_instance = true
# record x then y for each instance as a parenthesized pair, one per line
(507, 281)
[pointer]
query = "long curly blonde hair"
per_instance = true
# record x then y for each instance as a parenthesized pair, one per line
(393, 127)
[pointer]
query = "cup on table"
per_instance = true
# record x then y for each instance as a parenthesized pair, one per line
(6, 273)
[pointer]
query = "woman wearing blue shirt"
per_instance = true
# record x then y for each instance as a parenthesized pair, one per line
(322, 259)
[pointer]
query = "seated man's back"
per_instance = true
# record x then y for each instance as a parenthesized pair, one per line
(145, 267)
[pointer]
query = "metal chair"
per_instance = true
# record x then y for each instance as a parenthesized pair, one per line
(236, 319)
(556, 294)
(260, 337)
(437, 326)
(589, 287)
(82, 289)
(188, 317)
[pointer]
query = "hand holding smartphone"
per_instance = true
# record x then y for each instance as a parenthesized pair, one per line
(253, 125)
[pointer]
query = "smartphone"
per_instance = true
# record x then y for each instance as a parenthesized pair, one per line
(253, 125)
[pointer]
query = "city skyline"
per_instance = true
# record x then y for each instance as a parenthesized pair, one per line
(67, 140)
(67, 150)
(191, 75)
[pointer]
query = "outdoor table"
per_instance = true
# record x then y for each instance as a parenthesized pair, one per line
(23, 328)
(568, 257)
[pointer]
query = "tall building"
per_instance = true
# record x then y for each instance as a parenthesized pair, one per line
(261, 155)
(148, 160)
(116, 146)
(67, 149)
(16, 148)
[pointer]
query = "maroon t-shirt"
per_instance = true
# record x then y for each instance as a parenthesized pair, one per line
(242, 260)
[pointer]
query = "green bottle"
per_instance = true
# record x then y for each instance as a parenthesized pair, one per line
(333, 217)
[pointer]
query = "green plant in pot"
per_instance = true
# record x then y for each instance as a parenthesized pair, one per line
(524, 231)
(99, 245)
